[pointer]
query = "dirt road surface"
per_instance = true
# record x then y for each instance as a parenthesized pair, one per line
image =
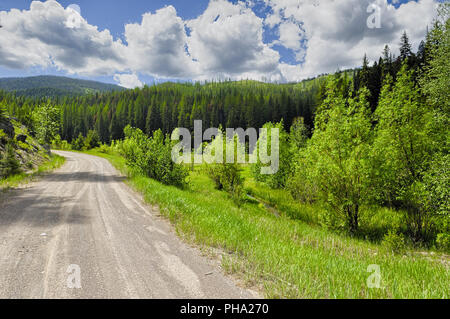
(82, 226)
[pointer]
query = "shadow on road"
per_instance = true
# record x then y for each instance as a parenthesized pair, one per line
(35, 209)
(84, 177)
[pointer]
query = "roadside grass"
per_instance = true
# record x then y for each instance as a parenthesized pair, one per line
(285, 257)
(281, 200)
(54, 161)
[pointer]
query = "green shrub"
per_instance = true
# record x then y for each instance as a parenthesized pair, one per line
(394, 242)
(56, 143)
(443, 242)
(227, 177)
(104, 148)
(23, 145)
(61, 144)
(79, 144)
(92, 140)
(152, 156)
(66, 145)
(301, 184)
(278, 179)
(437, 189)
(46, 121)
(334, 168)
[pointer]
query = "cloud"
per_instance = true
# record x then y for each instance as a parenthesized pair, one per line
(129, 81)
(337, 33)
(290, 36)
(157, 46)
(45, 36)
(228, 40)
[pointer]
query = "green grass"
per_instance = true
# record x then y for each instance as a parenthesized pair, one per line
(288, 258)
(53, 162)
(375, 222)
(281, 200)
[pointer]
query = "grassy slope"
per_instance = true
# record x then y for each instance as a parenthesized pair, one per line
(285, 257)
(34, 159)
(374, 222)
(54, 161)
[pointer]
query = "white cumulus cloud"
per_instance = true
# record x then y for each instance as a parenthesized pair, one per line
(337, 33)
(41, 36)
(129, 81)
(227, 40)
(157, 46)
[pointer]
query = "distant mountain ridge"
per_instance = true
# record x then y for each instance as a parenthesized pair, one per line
(53, 86)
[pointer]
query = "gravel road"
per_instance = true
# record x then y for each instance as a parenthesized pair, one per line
(82, 226)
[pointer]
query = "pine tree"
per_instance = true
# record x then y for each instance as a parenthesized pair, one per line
(365, 73)
(115, 129)
(153, 121)
(387, 61)
(139, 115)
(405, 47)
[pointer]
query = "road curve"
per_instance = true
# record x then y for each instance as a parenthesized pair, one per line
(83, 220)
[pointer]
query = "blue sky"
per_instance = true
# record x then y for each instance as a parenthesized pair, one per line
(272, 40)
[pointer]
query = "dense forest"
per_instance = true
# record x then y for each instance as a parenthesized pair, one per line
(170, 105)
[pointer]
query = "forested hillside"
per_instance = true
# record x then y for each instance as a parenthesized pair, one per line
(170, 105)
(54, 86)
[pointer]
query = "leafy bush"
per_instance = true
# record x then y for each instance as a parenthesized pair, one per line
(23, 145)
(226, 176)
(298, 136)
(65, 145)
(301, 183)
(56, 143)
(46, 120)
(92, 140)
(437, 191)
(79, 144)
(104, 148)
(278, 179)
(152, 156)
(394, 242)
(61, 145)
(402, 151)
(443, 242)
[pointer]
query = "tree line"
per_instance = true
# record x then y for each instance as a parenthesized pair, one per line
(171, 105)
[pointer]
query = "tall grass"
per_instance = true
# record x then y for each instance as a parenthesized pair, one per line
(375, 222)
